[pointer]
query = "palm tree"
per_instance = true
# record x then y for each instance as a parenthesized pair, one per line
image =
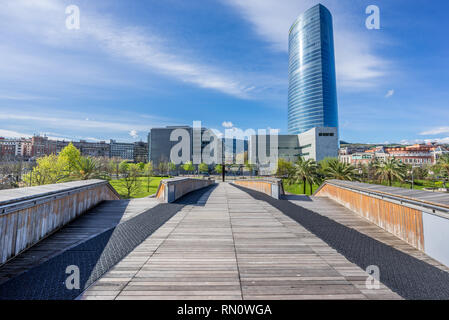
(85, 168)
(339, 170)
(391, 169)
(304, 171)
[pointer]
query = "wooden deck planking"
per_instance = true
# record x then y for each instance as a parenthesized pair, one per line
(341, 214)
(100, 218)
(231, 246)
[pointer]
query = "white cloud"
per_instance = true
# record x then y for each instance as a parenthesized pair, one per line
(227, 124)
(21, 97)
(437, 140)
(390, 93)
(13, 134)
(133, 133)
(44, 21)
(435, 131)
(51, 135)
(77, 124)
(358, 66)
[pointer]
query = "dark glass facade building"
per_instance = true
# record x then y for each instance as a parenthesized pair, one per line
(312, 93)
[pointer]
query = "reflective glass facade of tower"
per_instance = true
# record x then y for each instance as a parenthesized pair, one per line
(312, 93)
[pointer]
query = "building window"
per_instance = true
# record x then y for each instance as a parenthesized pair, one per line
(326, 134)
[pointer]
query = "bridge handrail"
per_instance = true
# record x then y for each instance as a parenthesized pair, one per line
(276, 185)
(29, 215)
(167, 190)
(387, 194)
(30, 196)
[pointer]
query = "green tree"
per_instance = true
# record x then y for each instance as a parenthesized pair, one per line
(71, 155)
(304, 171)
(114, 167)
(391, 169)
(162, 168)
(123, 167)
(283, 168)
(188, 167)
(203, 168)
(171, 167)
(141, 166)
(338, 170)
(372, 168)
(421, 172)
(48, 170)
(85, 168)
(324, 164)
(249, 166)
(218, 168)
(443, 164)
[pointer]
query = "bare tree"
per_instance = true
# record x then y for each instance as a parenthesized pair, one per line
(130, 173)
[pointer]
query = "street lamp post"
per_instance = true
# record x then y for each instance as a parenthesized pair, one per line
(222, 162)
(413, 177)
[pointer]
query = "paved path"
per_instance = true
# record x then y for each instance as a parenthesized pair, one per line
(231, 246)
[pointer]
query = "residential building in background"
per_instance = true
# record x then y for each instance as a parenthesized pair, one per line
(121, 150)
(93, 149)
(140, 152)
(39, 146)
(415, 155)
(8, 149)
(312, 92)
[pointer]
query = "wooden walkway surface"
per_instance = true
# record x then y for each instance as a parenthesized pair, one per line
(99, 219)
(231, 246)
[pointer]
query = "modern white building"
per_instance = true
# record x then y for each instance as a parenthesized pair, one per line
(317, 143)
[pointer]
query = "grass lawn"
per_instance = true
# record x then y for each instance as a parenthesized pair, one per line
(142, 191)
(298, 188)
(418, 184)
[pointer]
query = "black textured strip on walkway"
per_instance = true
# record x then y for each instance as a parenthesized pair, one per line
(409, 277)
(93, 257)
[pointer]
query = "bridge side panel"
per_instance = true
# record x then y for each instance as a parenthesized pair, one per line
(23, 227)
(405, 223)
(170, 190)
(261, 186)
(437, 237)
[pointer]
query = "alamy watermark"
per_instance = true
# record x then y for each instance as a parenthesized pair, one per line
(73, 280)
(210, 146)
(373, 280)
(373, 20)
(72, 22)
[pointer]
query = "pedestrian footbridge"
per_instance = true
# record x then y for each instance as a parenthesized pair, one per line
(226, 241)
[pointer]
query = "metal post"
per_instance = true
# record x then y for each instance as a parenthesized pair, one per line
(222, 161)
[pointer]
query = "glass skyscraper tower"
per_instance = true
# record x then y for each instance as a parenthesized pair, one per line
(312, 92)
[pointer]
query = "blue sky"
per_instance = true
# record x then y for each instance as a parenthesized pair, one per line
(134, 65)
